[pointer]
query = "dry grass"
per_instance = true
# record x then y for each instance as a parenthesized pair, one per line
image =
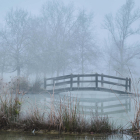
(136, 99)
(62, 115)
(10, 106)
(101, 124)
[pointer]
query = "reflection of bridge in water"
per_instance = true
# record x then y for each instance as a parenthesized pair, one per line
(107, 106)
(88, 82)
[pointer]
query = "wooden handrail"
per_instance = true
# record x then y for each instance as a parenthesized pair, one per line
(71, 81)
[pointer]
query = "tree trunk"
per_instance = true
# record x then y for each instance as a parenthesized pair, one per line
(57, 72)
(18, 71)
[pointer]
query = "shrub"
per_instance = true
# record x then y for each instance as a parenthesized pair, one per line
(19, 84)
(36, 86)
(10, 107)
(101, 124)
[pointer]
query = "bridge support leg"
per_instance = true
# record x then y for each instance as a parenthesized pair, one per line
(45, 83)
(126, 85)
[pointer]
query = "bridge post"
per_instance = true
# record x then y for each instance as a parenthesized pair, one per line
(130, 84)
(53, 82)
(96, 79)
(102, 80)
(45, 83)
(126, 85)
(71, 82)
(78, 79)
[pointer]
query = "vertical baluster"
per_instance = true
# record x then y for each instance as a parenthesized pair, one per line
(126, 85)
(130, 84)
(71, 82)
(78, 81)
(96, 80)
(102, 80)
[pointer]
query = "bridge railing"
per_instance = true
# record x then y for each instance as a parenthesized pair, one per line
(79, 78)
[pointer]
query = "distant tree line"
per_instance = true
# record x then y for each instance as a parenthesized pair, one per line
(62, 40)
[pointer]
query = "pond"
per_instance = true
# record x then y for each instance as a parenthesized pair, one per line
(119, 108)
(29, 136)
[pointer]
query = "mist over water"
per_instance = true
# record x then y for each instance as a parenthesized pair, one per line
(119, 108)
(52, 38)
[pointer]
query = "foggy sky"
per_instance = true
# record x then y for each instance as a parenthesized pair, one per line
(98, 7)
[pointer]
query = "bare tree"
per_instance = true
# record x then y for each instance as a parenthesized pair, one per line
(121, 28)
(58, 21)
(35, 51)
(4, 58)
(86, 50)
(16, 38)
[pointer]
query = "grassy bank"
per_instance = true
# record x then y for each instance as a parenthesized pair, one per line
(63, 116)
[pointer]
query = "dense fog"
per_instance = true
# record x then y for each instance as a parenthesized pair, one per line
(64, 39)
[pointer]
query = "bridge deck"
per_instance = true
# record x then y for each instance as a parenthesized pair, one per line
(87, 89)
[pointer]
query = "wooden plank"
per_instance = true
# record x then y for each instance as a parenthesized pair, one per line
(87, 81)
(114, 77)
(112, 83)
(84, 75)
(84, 89)
(62, 83)
(59, 77)
(68, 82)
(59, 90)
(49, 84)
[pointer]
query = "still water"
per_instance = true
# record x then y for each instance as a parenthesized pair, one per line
(120, 109)
(29, 136)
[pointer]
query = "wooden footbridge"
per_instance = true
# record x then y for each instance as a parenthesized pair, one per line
(88, 82)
